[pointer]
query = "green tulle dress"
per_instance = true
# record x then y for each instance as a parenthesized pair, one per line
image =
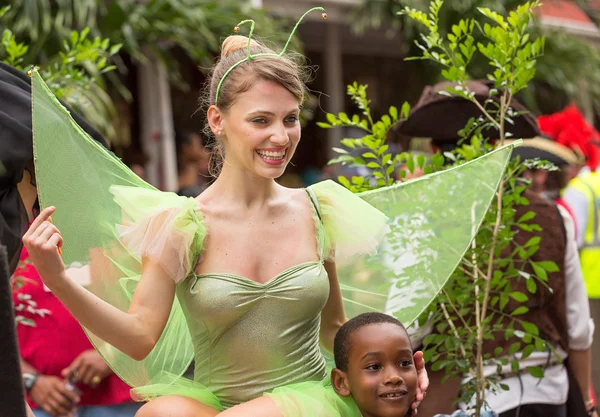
(394, 248)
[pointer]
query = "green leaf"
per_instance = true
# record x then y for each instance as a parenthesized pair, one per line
(530, 328)
(369, 155)
(382, 150)
(540, 344)
(405, 110)
(344, 181)
(535, 240)
(332, 119)
(531, 286)
(373, 165)
(519, 310)
(518, 296)
(539, 271)
(394, 113)
(536, 371)
(527, 351)
(349, 143)
(549, 266)
(527, 216)
(324, 125)
(514, 348)
(339, 150)
(437, 160)
(410, 164)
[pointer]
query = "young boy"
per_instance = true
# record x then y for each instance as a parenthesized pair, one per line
(374, 364)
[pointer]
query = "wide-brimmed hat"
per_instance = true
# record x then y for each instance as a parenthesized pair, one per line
(545, 149)
(440, 117)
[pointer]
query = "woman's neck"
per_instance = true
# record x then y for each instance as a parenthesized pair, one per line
(241, 187)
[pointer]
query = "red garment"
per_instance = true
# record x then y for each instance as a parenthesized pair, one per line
(567, 207)
(57, 340)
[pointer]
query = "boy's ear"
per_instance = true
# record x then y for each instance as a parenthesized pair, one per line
(339, 381)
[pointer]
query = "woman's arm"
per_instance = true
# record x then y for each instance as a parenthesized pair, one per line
(332, 316)
(134, 332)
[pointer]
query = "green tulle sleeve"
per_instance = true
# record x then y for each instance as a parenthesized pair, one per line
(162, 226)
(352, 227)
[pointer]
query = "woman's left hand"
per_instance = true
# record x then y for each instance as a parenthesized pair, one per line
(88, 367)
(422, 381)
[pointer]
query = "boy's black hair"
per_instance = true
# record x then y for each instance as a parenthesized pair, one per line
(342, 343)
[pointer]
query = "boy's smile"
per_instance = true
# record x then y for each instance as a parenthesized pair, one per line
(381, 375)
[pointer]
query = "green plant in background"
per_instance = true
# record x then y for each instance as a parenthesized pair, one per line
(371, 151)
(74, 74)
(566, 73)
(479, 300)
(488, 272)
(25, 303)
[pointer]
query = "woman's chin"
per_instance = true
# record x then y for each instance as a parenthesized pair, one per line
(271, 171)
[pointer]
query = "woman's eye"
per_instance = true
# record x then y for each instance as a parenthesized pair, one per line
(259, 120)
(292, 119)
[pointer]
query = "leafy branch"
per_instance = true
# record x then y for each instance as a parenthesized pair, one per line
(371, 151)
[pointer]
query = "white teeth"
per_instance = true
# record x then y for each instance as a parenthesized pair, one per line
(274, 156)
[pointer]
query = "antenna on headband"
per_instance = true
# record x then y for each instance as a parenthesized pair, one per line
(250, 56)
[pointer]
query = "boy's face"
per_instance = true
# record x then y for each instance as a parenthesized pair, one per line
(381, 375)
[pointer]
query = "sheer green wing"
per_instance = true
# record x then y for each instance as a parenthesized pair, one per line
(431, 222)
(84, 180)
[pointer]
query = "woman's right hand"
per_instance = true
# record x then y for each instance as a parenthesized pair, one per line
(43, 241)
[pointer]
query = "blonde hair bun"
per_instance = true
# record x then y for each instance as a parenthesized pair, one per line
(234, 43)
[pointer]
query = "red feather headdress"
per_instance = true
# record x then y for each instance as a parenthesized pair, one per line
(569, 128)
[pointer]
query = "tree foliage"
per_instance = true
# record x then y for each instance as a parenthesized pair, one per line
(480, 299)
(567, 67)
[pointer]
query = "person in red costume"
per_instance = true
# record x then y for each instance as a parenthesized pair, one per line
(63, 374)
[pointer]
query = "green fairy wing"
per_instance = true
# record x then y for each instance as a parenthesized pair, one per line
(396, 247)
(98, 200)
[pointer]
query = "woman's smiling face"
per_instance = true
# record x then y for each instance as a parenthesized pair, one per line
(261, 129)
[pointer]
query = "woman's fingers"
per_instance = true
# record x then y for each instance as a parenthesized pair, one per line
(47, 232)
(39, 230)
(42, 217)
(45, 236)
(55, 241)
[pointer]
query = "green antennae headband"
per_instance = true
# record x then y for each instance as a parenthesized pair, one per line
(250, 56)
